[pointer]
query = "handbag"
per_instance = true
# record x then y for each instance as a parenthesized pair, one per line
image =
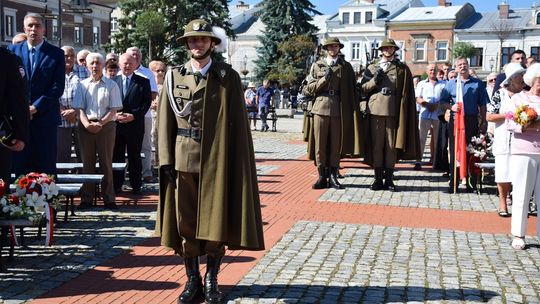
(6, 130)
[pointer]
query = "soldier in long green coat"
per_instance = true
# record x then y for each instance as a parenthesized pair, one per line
(333, 127)
(393, 122)
(209, 196)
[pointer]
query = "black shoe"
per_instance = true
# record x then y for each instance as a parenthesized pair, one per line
(389, 180)
(84, 205)
(212, 294)
(377, 185)
(333, 179)
(110, 206)
(417, 167)
(193, 292)
(322, 180)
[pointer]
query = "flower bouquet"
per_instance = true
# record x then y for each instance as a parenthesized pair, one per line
(37, 195)
(11, 207)
(479, 149)
(524, 115)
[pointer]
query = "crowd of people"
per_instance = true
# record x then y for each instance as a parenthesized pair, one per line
(102, 108)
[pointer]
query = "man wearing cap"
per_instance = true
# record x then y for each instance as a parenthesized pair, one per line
(393, 123)
(209, 196)
(250, 97)
(332, 84)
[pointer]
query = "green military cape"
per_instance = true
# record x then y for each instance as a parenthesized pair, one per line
(229, 208)
(407, 141)
(350, 119)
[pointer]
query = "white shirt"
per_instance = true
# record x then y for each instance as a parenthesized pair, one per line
(430, 93)
(204, 70)
(147, 73)
(97, 98)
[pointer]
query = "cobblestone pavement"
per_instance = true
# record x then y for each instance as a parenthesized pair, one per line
(313, 262)
(86, 240)
(343, 263)
(418, 189)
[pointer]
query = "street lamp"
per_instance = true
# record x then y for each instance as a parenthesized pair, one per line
(491, 64)
(244, 70)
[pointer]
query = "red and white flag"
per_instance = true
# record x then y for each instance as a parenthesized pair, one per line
(460, 142)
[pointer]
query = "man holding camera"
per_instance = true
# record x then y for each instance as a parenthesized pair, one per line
(393, 124)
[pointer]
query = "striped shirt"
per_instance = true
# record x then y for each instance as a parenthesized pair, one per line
(66, 101)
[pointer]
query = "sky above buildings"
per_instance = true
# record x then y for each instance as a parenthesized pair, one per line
(329, 7)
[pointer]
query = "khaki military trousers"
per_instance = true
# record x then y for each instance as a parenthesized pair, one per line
(383, 134)
(187, 189)
(327, 133)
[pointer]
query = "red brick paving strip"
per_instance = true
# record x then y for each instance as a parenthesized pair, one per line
(151, 274)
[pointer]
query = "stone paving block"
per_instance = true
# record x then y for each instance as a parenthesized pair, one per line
(460, 273)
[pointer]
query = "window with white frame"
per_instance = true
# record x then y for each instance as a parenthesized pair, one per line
(55, 30)
(356, 18)
(356, 48)
(369, 17)
(114, 24)
(77, 35)
(95, 36)
(9, 25)
(538, 18)
(420, 50)
(442, 51)
(345, 18)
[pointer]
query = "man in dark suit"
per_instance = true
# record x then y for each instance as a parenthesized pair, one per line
(136, 98)
(13, 107)
(44, 72)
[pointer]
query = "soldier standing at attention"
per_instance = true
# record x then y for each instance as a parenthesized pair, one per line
(393, 123)
(332, 83)
(209, 196)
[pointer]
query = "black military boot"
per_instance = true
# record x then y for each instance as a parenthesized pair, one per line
(212, 294)
(322, 181)
(389, 180)
(334, 182)
(378, 182)
(193, 292)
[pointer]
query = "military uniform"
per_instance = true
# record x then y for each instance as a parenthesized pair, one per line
(13, 107)
(332, 85)
(393, 123)
(209, 196)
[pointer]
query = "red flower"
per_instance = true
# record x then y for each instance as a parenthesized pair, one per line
(2, 188)
(14, 199)
(24, 182)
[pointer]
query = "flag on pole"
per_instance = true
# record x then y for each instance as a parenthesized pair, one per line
(460, 142)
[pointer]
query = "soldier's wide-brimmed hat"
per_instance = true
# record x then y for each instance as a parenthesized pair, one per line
(198, 28)
(251, 85)
(388, 42)
(332, 40)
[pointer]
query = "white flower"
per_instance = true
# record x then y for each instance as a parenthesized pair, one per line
(524, 117)
(37, 201)
(5, 209)
(3, 201)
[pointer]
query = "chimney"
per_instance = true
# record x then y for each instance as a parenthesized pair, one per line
(444, 3)
(504, 10)
(242, 6)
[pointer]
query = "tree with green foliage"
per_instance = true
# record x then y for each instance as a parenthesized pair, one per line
(463, 49)
(292, 63)
(177, 14)
(283, 19)
(152, 25)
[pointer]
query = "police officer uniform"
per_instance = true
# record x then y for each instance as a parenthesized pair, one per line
(208, 189)
(389, 90)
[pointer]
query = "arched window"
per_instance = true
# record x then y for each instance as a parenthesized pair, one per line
(538, 18)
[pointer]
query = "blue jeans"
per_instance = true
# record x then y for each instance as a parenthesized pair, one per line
(263, 115)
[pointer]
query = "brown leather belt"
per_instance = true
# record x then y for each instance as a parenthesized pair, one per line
(329, 93)
(194, 133)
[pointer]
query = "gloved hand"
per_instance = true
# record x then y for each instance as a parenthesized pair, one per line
(328, 74)
(170, 173)
(378, 77)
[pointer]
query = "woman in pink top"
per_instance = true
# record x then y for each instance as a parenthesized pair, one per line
(525, 159)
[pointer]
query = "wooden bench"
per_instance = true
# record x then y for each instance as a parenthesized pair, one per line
(480, 178)
(4, 231)
(272, 116)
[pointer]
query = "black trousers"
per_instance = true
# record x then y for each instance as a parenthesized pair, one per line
(5, 165)
(129, 138)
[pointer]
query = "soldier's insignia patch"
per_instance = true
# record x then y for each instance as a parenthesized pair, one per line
(222, 73)
(196, 26)
(22, 72)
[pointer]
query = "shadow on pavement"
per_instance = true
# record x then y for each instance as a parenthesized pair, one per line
(354, 294)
